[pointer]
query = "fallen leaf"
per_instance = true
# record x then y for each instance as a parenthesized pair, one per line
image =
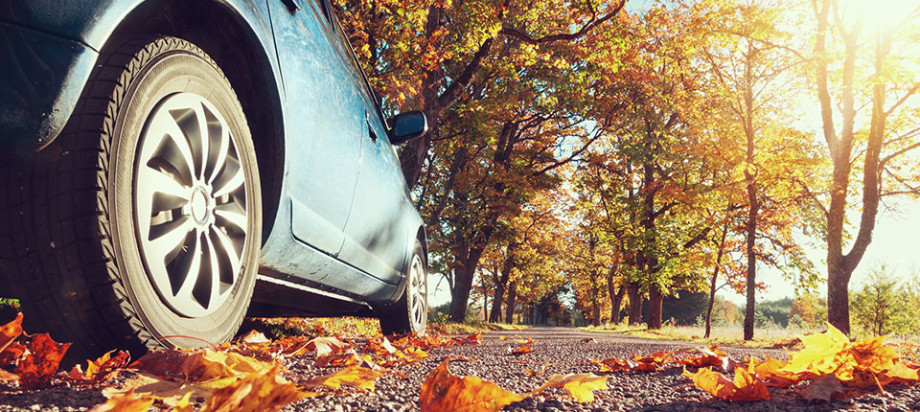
(254, 336)
(708, 356)
(354, 376)
(41, 362)
(745, 388)
(822, 388)
(772, 373)
(900, 373)
(9, 332)
(126, 402)
(521, 350)
(652, 362)
(538, 373)
(473, 339)
(713, 382)
(616, 365)
(581, 386)
(528, 341)
(588, 340)
(260, 391)
(8, 377)
(441, 391)
(100, 369)
(326, 346)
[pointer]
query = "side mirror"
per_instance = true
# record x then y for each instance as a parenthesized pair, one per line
(407, 126)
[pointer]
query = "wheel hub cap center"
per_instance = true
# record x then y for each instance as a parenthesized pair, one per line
(200, 205)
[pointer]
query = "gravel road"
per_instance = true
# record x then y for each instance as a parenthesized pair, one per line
(564, 350)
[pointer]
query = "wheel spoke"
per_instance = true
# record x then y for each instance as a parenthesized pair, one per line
(231, 216)
(229, 179)
(186, 276)
(231, 251)
(191, 125)
(217, 143)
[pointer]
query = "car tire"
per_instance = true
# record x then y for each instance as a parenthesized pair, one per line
(410, 313)
(139, 226)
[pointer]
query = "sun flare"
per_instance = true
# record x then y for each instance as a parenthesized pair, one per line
(885, 14)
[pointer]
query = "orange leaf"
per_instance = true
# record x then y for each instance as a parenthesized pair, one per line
(900, 373)
(473, 339)
(355, 376)
(749, 388)
(8, 377)
(616, 365)
(822, 388)
(528, 341)
(770, 371)
(41, 362)
(255, 392)
(100, 369)
(713, 382)
(580, 385)
(127, 402)
(708, 356)
(652, 362)
(522, 350)
(443, 391)
(745, 388)
(10, 331)
(325, 346)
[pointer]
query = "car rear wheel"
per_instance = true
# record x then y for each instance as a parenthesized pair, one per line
(410, 313)
(139, 226)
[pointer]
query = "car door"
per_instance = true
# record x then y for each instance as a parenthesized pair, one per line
(324, 121)
(377, 235)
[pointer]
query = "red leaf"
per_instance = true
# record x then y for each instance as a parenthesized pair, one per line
(41, 362)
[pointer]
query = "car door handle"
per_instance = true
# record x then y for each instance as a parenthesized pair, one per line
(292, 5)
(370, 129)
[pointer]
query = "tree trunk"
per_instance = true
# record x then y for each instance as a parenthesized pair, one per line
(501, 283)
(616, 301)
(596, 312)
(715, 277)
(635, 303)
(753, 203)
(655, 299)
(616, 297)
(512, 297)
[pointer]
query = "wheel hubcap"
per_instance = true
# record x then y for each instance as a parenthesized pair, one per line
(190, 205)
(419, 292)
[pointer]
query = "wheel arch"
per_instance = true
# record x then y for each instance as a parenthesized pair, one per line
(240, 42)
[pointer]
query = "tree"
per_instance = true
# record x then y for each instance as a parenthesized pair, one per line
(852, 72)
(876, 304)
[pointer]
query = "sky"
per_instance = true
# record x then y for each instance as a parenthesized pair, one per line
(895, 243)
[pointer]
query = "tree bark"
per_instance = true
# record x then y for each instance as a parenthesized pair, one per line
(655, 299)
(635, 303)
(750, 175)
(512, 298)
(715, 277)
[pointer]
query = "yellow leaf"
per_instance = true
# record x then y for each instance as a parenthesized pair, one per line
(355, 376)
(127, 402)
(260, 391)
(580, 385)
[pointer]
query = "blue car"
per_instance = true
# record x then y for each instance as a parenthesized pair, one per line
(170, 166)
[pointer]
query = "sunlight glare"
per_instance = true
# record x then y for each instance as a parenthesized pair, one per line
(878, 15)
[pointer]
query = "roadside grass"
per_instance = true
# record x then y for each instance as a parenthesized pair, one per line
(906, 346)
(352, 327)
(769, 337)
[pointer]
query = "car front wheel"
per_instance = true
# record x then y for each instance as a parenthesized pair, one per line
(410, 313)
(140, 224)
